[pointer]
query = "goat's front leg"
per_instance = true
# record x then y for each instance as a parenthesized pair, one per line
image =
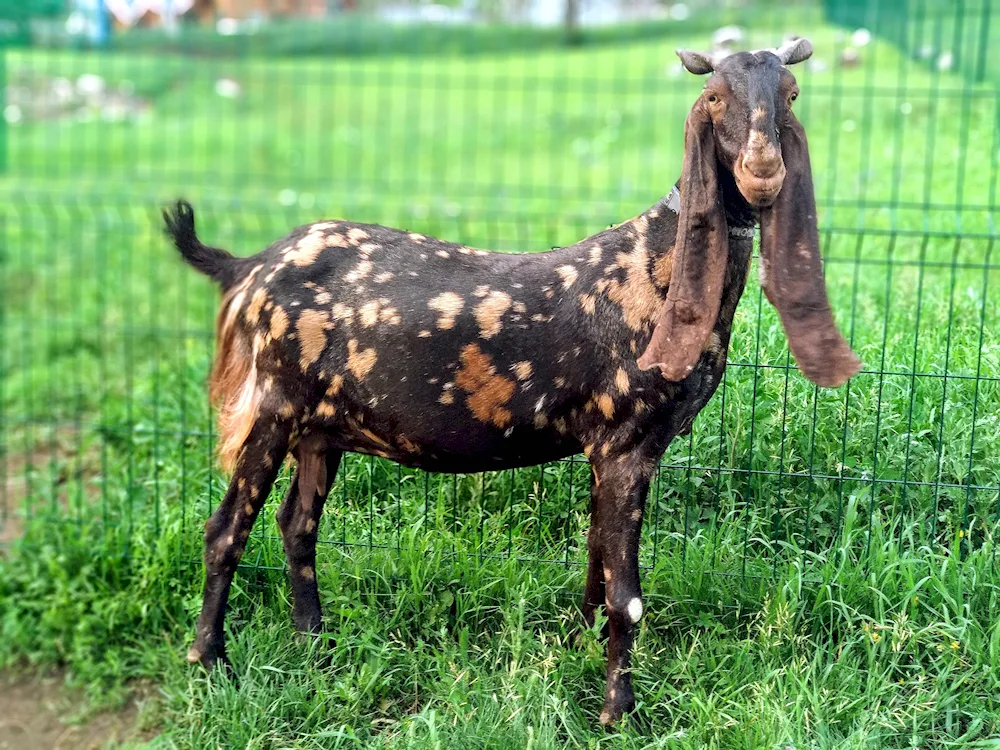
(227, 531)
(298, 520)
(620, 487)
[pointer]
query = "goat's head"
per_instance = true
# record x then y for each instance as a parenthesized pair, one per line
(743, 123)
(748, 101)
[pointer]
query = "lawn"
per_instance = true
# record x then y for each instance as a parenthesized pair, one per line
(820, 564)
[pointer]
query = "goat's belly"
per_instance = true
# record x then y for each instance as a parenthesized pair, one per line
(459, 463)
(458, 448)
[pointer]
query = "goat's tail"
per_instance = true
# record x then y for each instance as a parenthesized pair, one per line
(214, 262)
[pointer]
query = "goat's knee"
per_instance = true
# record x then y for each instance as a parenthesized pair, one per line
(225, 540)
(624, 599)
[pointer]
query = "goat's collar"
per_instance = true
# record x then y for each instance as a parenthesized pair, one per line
(674, 204)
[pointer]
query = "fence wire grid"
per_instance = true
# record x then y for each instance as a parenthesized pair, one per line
(519, 138)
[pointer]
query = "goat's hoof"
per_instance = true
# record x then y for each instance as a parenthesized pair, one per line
(615, 707)
(209, 656)
(307, 627)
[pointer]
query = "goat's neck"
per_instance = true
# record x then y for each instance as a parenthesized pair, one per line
(656, 228)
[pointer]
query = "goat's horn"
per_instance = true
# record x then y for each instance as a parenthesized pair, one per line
(794, 51)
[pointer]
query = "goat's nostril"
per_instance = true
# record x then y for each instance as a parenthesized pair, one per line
(762, 166)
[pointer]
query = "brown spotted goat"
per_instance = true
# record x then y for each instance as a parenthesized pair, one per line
(350, 337)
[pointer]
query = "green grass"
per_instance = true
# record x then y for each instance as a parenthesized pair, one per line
(820, 564)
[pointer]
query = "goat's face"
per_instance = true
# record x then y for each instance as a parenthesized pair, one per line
(743, 123)
(749, 98)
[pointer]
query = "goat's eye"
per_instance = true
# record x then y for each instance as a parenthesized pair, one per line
(713, 98)
(793, 97)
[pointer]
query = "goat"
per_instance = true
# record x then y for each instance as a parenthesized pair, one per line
(352, 337)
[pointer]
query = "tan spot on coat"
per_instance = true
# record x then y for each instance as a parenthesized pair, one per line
(416, 237)
(588, 449)
(335, 385)
(560, 425)
(368, 313)
(488, 392)
(335, 239)
(248, 509)
(594, 256)
(359, 272)
(343, 312)
(425, 334)
(560, 382)
(383, 277)
(481, 291)
(522, 370)
(279, 322)
(307, 572)
(449, 305)
(489, 313)
(541, 421)
(520, 308)
(256, 305)
(326, 409)
(306, 250)
(568, 275)
(310, 525)
(322, 297)
(311, 328)
(359, 429)
(390, 315)
(408, 445)
(607, 405)
(637, 298)
(621, 380)
(588, 303)
(663, 268)
(639, 406)
(356, 234)
(360, 361)
(759, 113)
(447, 398)
(442, 254)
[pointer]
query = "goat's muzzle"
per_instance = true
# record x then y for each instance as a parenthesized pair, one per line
(760, 173)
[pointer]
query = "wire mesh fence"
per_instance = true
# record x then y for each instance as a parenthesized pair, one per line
(508, 137)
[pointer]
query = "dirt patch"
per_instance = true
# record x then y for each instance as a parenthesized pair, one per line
(60, 458)
(35, 714)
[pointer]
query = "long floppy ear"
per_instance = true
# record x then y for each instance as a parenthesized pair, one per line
(701, 252)
(791, 270)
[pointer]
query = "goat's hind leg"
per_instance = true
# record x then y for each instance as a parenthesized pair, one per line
(298, 520)
(593, 593)
(226, 532)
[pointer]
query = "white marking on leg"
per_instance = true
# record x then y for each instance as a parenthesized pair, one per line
(635, 609)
